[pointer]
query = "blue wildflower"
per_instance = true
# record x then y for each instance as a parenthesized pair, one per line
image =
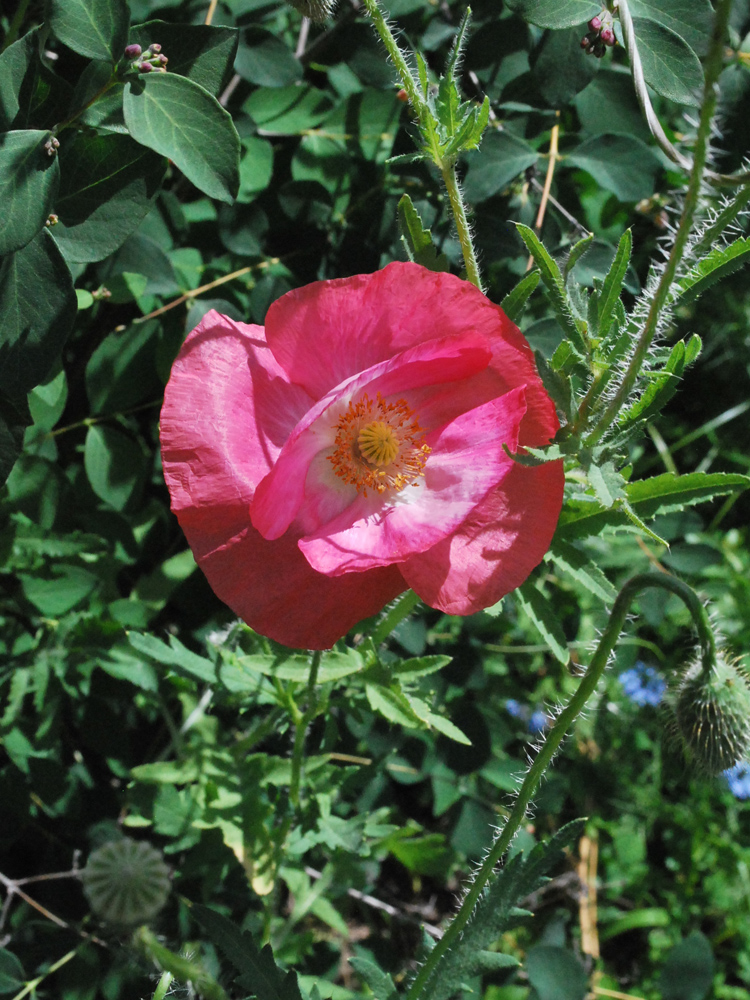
(644, 685)
(516, 709)
(538, 722)
(738, 778)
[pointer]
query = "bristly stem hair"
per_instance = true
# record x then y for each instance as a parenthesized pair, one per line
(714, 67)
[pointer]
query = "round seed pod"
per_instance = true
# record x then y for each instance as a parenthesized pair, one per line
(126, 881)
(712, 712)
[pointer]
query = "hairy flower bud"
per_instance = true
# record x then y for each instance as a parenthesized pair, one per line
(126, 881)
(712, 711)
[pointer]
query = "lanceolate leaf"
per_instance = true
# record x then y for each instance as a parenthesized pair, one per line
(542, 614)
(107, 187)
(612, 287)
(582, 517)
(514, 302)
(665, 383)
(718, 264)
(28, 181)
(582, 568)
(417, 240)
(94, 28)
(179, 119)
(37, 309)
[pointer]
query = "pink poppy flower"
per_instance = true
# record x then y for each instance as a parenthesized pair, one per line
(353, 448)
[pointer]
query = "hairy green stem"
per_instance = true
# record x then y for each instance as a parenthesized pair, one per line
(556, 735)
(183, 969)
(713, 69)
(397, 57)
(300, 728)
(450, 179)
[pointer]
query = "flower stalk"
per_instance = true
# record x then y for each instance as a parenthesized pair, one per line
(564, 722)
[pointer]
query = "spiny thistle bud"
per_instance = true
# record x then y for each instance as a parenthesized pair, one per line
(712, 712)
(126, 881)
(316, 10)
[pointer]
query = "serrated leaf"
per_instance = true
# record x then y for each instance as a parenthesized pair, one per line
(612, 287)
(664, 385)
(333, 666)
(669, 64)
(515, 301)
(37, 309)
(555, 286)
(393, 706)
(380, 982)
(419, 666)
(97, 29)
(582, 568)
(558, 385)
(543, 616)
(28, 182)
(259, 974)
(576, 252)
(417, 240)
(179, 119)
(716, 265)
(607, 482)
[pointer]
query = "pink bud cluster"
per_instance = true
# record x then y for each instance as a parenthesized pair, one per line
(600, 36)
(150, 61)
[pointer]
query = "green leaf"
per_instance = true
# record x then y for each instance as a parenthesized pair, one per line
(47, 402)
(543, 616)
(607, 482)
(555, 13)
(669, 64)
(555, 286)
(417, 240)
(173, 655)
(256, 168)
(12, 976)
(419, 666)
(691, 19)
(515, 301)
(716, 265)
(37, 309)
(115, 465)
(393, 706)
(664, 384)
(121, 373)
(380, 982)
(687, 973)
(556, 973)
(557, 383)
(31, 95)
(612, 288)
(582, 568)
(582, 517)
(265, 60)
(12, 425)
(179, 119)
(259, 973)
(447, 728)
(286, 110)
(70, 586)
(621, 164)
(97, 29)
(333, 666)
(107, 188)
(502, 158)
(28, 182)
(203, 53)
(576, 252)
(560, 69)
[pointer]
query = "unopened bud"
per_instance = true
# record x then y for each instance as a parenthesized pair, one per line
(712, 712)
(155, 48)
(585, 42)
(51, 146)
(52, 219)
(599, 50)
(145, 67)
(608, 36)
(133, 51)
(162, 60)
(595, 23)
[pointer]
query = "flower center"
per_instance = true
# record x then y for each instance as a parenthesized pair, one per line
(379, 446)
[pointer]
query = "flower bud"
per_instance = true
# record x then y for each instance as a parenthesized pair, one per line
(608, 36)
(712, 711)
(162, 60)
(126, 881)
(595, 23)
(145, 67)
(133, 51)
(585, 42)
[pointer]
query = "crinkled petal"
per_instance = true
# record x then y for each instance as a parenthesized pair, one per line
(281, 493)
(467, 461)
(227, 410)
(496, 547)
